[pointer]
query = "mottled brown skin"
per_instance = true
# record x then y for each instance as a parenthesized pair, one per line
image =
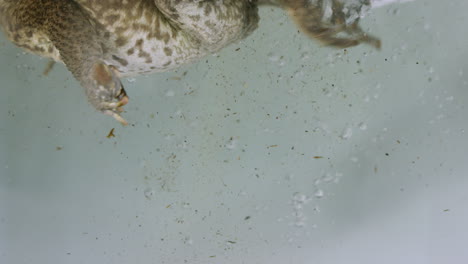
(102, 40)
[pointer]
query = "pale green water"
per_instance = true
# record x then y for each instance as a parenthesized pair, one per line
(219, 167)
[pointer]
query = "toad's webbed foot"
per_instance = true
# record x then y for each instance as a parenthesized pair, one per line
(335, 32)
(105, 91)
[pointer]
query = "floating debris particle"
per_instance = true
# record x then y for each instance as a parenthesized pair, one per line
(111, 133)
(48, 68)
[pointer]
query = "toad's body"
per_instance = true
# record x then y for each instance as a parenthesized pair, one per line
(100, 40)
(139, 36)
(144, 36)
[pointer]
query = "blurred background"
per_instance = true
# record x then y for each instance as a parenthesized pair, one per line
(275, 150)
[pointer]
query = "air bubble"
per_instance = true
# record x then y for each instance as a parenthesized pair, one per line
(319, 193)
(347, 133)
(170, 93)
(149, 193)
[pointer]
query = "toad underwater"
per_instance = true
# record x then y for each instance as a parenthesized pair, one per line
(101, 41)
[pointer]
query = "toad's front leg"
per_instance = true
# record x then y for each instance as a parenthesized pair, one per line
(76, 36)
(105, 90)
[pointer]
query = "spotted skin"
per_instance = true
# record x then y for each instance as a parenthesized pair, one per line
(101, 41)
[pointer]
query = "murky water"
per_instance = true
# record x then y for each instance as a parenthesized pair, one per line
(275, 150)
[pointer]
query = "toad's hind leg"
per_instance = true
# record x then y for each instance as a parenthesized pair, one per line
(310, 18)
